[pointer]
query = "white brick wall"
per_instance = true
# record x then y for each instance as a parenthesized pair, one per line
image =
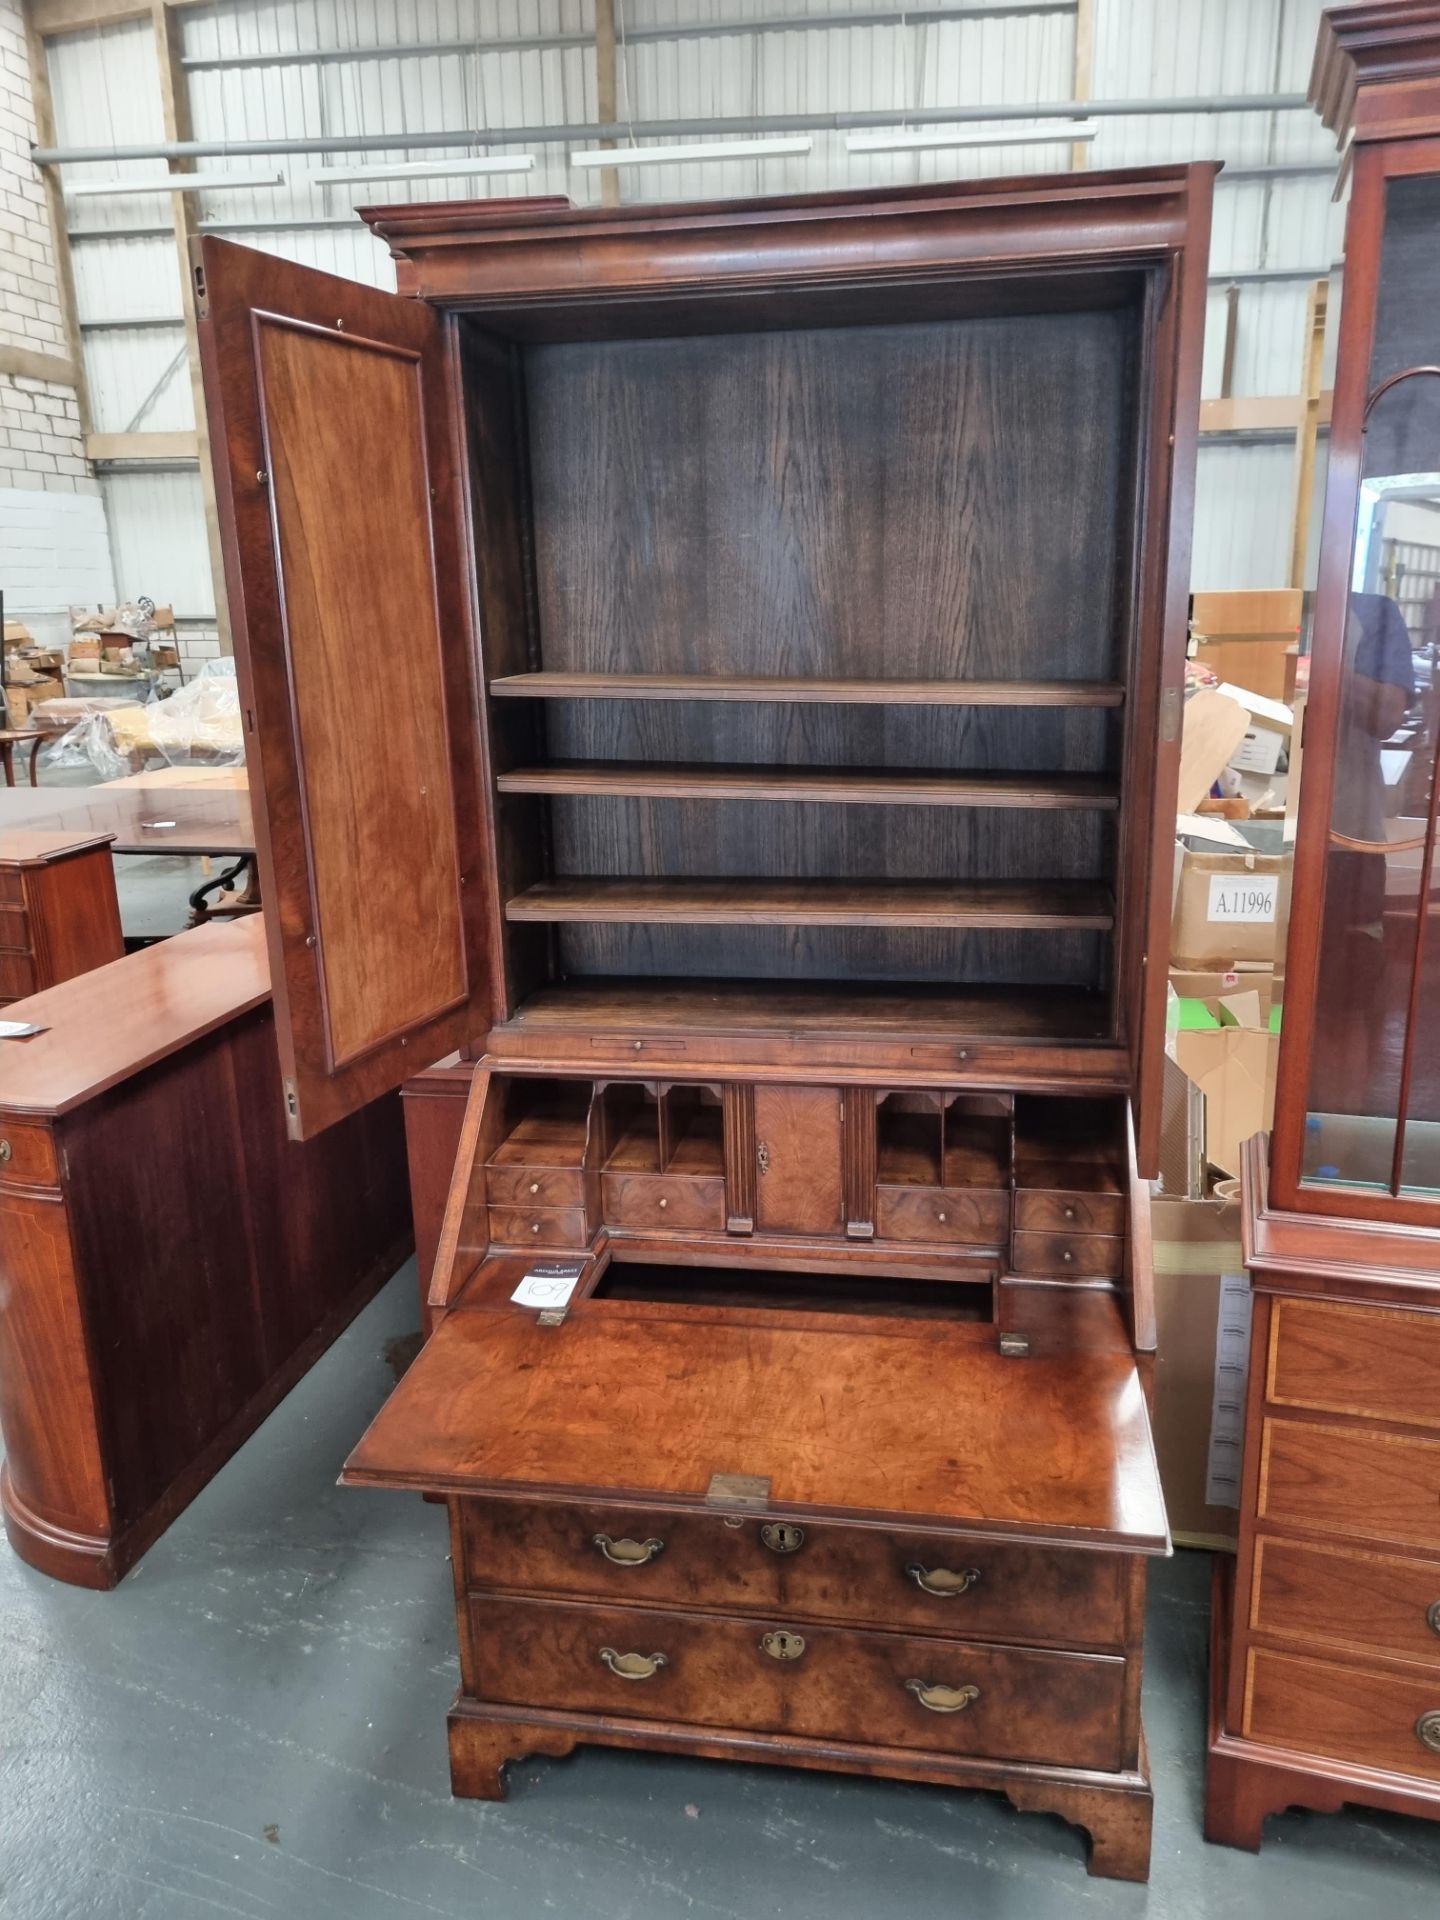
(54, 548)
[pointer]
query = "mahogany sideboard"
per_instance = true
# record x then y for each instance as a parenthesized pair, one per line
(170, 1264)
(59, 913)
(780, 818)
(1325, 1684)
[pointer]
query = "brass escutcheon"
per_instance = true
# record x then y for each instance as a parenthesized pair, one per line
(942, 1699)
(633, 1666)
(782, 1537)
(1432, 1616)
(1427, 1730)
(5, 1150)
(941, 1582)
(781, 1645)
(627, 1553)
(762, 1156)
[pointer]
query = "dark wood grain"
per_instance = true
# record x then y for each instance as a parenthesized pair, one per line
(857, 786)
(806, 690)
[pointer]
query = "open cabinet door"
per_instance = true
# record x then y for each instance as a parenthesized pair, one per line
(336, 431)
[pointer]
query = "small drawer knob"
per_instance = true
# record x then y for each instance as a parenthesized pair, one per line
(534, 1186)
(639, 1046)
(1427, 1730)
(1068, 1257)
(664, 1203)
(1432, 1616)
(6, 1151)
(534, 1226)
(1069, 1213)
(942, 1217)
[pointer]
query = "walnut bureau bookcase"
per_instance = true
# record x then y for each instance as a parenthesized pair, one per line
(1325, 1654)
(779, 812)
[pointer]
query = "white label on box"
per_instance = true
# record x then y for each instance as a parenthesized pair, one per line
(549, 1285)
(1227, 1402)
(1242, 896)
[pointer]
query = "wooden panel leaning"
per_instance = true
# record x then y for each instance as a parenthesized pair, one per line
(130, 1368)
(813, 760)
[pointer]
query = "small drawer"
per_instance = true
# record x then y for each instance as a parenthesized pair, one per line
(1344, 1713)
(1347, 1481)
(27, 1154)
(1070, 1256)
(1342, 1597)
(783, 1674)
(538, 1227)
(535, 1186)
(1381, 1361)
(1069, 1212)
(14, 930)
(12, 886)
(664, 1200)
(861, 1576)
(17, 976)
(942, 1214)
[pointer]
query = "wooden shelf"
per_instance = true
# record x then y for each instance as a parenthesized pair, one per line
(1068, 904)
(854, 786)
(809, 691)
(847, 1010)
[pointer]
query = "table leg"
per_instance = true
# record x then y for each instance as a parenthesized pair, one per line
(7, 754)
(35, 761)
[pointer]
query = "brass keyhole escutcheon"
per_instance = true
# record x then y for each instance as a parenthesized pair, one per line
(782, 1537)
(762, 1156)
(781, 1645)
(1427, 1730)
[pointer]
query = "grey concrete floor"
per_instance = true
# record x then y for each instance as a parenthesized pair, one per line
(253, 1725)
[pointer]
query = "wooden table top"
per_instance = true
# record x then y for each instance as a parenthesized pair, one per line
(107, 1025)
(207, 817)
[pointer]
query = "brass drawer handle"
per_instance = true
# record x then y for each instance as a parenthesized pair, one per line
(627, 1553)
(781, 1537)
(943, 1699)
(633, 1666)
(781, 1645)
(6, 1150)
(1427, 1730)
(941, 1582)
(1432, 1616)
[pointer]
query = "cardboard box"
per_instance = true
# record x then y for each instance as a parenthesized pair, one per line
(1234, 1068)
(1225, 909)
(1255, 977)
(1199, 1404)
(1251, 637)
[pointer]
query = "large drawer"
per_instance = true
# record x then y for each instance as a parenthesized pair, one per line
(1345, 1480)
(17, 976)
(1344, 1713)
(14, 930)
(944, 1214)
(27, 1154)
(535, 1186)
(1345, 1598)
(1380, 1361)
(664, 1200)
(858, 1575)
(787, 1675)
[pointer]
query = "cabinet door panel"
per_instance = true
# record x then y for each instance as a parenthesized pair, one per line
(332, 412)
(797, 1151)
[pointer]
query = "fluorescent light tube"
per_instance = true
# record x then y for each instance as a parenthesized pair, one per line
(699, 150)
(424, 169)
(174, 183)
(899, 140)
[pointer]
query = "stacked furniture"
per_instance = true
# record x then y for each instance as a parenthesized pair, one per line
(1326, 1651)
(780, 819)
(170, 1263)
(59, 912)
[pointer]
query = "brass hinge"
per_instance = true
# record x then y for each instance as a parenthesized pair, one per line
(748, 1490)
(1170, 714)
(1015, 1346)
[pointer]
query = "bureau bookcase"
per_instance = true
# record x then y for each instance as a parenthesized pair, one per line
(776, 805)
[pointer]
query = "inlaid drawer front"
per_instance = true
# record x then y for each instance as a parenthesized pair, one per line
(1346, 1598)
(1345, 1713)
(1366, 1360)
(14, 930)
(1069, 1212)
(535, 1186)
(1344, 1480)
(970, 1588)
(664, 1200)
(538, 1227)
(12, 886)
(1069, 1255)
(788, 1675)
(17, 976)
(941, 1213)
(27, 1154)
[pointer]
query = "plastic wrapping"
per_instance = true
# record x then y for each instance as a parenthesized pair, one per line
(197, 726)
